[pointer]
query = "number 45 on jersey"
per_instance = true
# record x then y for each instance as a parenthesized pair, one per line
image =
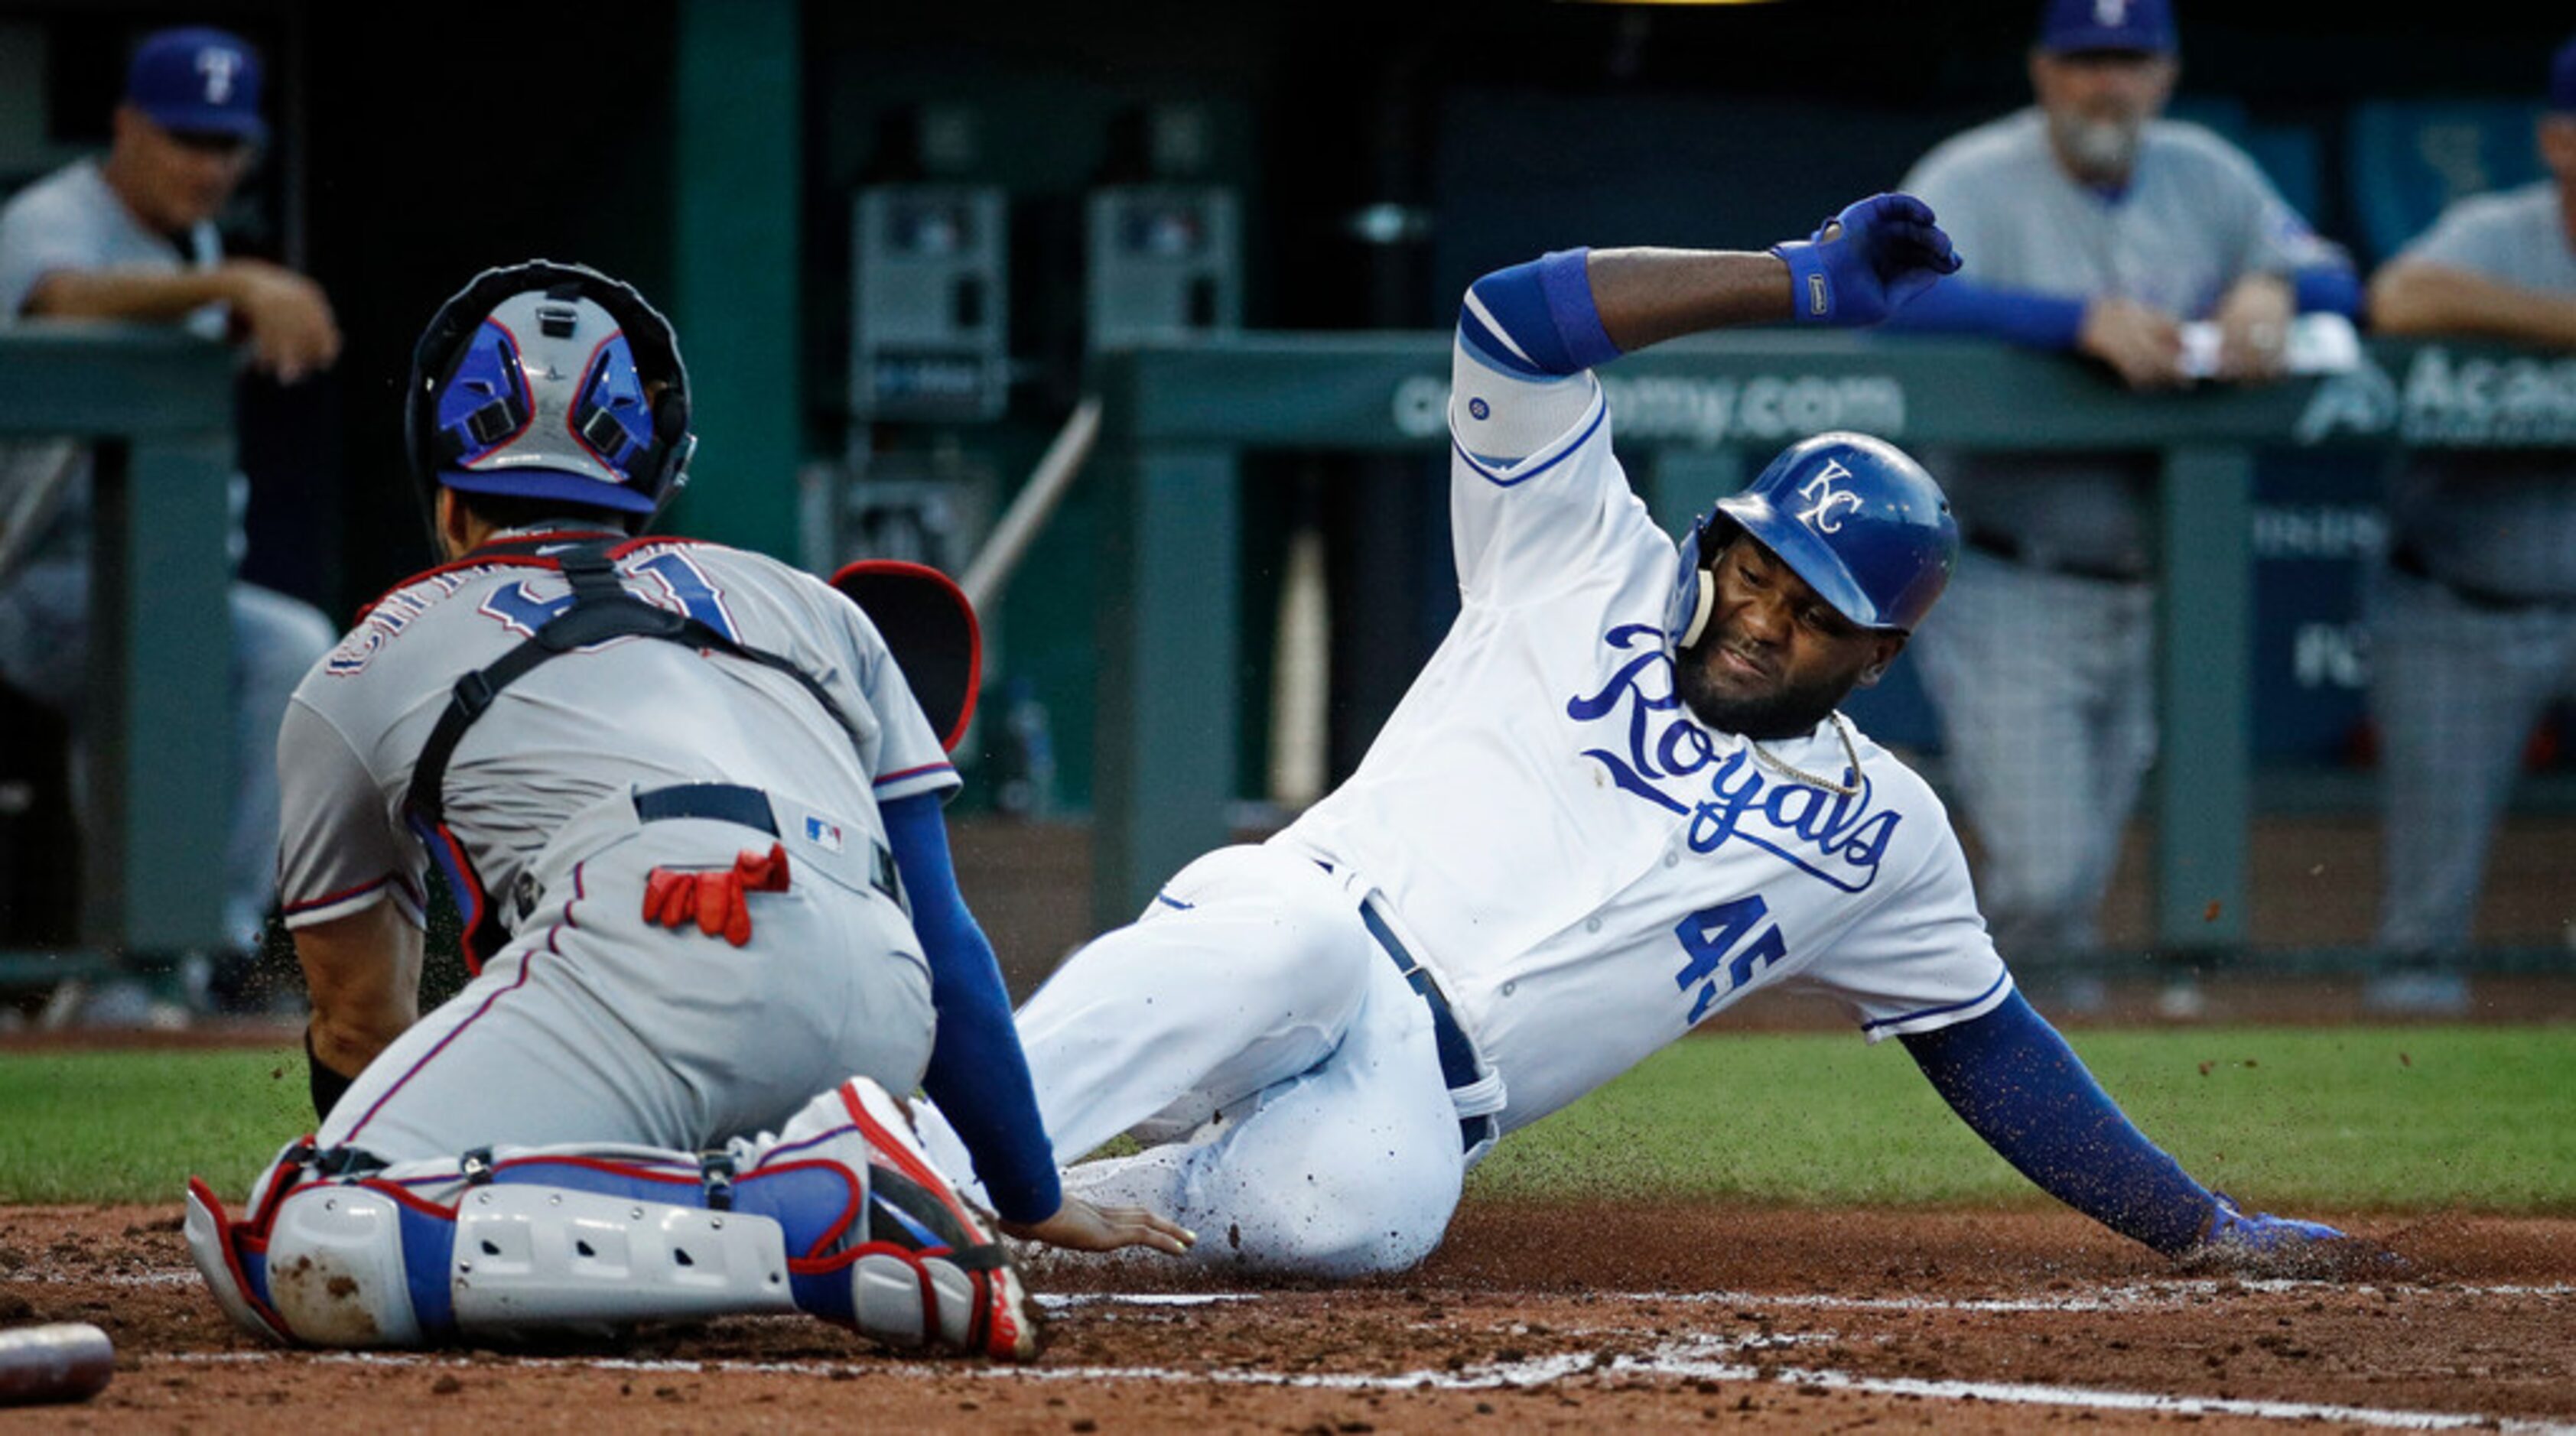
(1721, 960)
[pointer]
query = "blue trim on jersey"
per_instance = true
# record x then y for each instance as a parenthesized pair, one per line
(2016, 1083)
(1167, 900)
(1502, 480)
(1545, 309)
(1958, 305)
(978, 1075)
(1479, 342)
(2327, 288)
(1566, 276)
(1937, 1011)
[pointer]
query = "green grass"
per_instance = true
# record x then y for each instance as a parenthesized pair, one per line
(2345, 1119)
(131, 1126)
(2338, 1119)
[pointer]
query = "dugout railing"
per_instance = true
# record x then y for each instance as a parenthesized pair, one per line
(1180, 416)
(155, 743)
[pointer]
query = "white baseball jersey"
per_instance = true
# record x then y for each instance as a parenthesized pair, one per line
(630, 713)
(1587, 869)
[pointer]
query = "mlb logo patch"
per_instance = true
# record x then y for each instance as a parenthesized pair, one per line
(821, 834)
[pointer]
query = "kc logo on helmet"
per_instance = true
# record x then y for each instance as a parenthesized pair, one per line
(1824, 501)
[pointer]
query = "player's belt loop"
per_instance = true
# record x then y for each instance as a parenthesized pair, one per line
(1457, 1054)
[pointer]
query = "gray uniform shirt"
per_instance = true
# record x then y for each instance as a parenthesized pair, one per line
(627, 714)
(70, 219)
(2504, 523)
(2198, 215)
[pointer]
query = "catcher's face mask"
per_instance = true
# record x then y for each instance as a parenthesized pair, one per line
(544, 401)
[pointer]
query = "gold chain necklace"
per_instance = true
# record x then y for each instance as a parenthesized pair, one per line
(1795, 774)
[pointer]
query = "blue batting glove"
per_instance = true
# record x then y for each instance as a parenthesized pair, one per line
(2261, 1233)
(2266, 1245)
(1864, 262)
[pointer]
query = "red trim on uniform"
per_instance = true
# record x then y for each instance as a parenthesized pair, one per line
(226, 1229)
(527, 394)
(409, 1198)
(343, 895)
(525, 967)
(472, 900)
(645, 541)
(897, 777)
(479, 560)
(266, 1216)
(602, 1164)
(974, 630)
(900, 1155)
(920, 1279)
(574, 429)
(849, 1210)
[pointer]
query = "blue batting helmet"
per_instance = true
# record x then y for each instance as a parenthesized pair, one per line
(550, 381)
(1862, 523)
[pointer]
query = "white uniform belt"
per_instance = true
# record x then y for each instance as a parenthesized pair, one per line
(1475, 1089)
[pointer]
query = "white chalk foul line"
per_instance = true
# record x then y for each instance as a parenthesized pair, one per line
(2118, 1298)
(1702, 1359)
(2122, 1298)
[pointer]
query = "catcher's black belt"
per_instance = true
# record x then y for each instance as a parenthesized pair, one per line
(749, 808)
(1457, 1054)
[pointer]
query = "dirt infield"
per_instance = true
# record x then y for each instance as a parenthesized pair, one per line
(1558, 1317)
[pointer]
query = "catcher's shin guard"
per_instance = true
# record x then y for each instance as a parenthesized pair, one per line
(923, 1266)
(839, 1215)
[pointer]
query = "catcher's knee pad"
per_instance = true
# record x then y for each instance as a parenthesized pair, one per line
(839, 1216)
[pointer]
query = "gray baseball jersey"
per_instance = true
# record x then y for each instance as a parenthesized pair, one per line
(629, 713)
(70, 219)
(2501, 522)
(2197, 216)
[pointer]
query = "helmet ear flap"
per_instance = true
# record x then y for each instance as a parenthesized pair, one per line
(1699, 609)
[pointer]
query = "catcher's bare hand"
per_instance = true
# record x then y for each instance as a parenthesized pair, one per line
(1080, 1226)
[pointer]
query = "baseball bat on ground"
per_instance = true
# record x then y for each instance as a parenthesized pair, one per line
(66, 1361)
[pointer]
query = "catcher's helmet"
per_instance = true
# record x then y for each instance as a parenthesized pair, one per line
(1863, 524)
(550, 381)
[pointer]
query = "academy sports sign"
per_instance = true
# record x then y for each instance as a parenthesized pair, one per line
(2482, 400)
(1706, 412)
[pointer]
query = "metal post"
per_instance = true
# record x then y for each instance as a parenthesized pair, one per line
(2204, 779)
(738, 125)
(159, 726)
(1169, 689)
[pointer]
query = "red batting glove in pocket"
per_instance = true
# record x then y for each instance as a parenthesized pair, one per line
(673, 897)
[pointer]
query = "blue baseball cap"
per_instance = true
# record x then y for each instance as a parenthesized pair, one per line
(2067, 26)
(2562, 78)
(197, 81)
